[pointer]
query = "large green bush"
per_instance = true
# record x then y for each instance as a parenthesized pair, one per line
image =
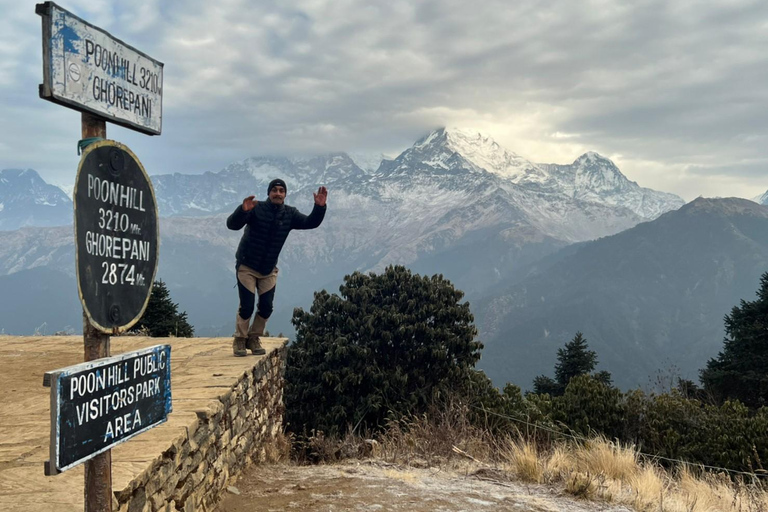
(385, 345)
(589, 405)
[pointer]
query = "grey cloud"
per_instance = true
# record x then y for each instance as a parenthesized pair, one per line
(679, 82)
(756, 172)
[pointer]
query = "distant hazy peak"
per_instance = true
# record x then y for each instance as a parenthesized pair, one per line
(68, 189)
(333, 158)
(763, 199)
(13, 174)
(597, 168)
(27, 200)
(592, 158)
(369, 162)
(725, 206)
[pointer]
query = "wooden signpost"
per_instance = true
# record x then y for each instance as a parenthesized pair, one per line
(87, 69)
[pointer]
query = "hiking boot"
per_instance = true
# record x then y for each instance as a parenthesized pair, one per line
(238, 346)
(254, 345)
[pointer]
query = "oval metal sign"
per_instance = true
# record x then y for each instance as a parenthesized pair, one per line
(116, 236)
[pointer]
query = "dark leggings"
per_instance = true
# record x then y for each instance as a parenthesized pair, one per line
(248, 298)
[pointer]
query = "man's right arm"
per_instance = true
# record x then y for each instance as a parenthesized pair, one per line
(238, 218)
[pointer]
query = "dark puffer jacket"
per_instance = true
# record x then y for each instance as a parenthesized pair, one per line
(266, 228)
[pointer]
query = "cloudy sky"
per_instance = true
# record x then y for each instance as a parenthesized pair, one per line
(675, 92)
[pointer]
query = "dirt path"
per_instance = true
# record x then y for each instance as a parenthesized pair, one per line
(373, 486)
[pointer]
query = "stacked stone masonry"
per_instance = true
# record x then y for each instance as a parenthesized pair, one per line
(236, 430)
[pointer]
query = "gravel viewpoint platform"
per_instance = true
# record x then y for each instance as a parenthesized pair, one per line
(202, 369)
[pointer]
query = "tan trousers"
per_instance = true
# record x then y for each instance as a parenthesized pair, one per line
(254, 283)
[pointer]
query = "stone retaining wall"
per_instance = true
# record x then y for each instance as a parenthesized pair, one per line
(239, 428)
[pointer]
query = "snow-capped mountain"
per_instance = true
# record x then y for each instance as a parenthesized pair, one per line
(455, 203)
(763, 199)
(484, 153)
(587, 199)
(594, 178)
(590, 178)
(27, 200)
(212, 192)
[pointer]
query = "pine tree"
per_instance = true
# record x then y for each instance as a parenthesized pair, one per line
(547, 385)
(384, 346)
(162, 317)
(573, 359)
(740, 371)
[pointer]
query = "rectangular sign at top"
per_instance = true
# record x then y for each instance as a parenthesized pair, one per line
(87, 69)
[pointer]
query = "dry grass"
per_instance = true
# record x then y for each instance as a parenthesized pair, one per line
(558, 464)
(581, 485)
(279, 450)
(524, 459)
(711, 492)
(612, 460)
(594, 470)
(430, 440)
(646, 489)
(598, 469)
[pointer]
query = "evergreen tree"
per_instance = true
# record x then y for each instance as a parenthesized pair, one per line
(387, 344)
(740, 371)
(573, 359)
(162, 317)
(543, 384)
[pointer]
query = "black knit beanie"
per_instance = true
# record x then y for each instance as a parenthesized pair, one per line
(275, 183)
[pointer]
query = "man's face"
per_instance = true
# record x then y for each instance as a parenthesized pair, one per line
(277, 194)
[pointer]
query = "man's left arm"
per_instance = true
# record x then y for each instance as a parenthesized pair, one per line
(314, 219)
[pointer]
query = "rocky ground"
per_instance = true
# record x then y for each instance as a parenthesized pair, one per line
(375, 485)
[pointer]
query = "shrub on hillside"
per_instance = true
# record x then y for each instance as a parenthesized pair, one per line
(573, 359)
(385, 345)
(589, 405)
(500, 413)
(667, 425)
(729, 435)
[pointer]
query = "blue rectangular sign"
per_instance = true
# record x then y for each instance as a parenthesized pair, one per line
(101, 403)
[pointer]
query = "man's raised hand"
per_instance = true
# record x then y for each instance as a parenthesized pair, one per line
(321, 196)
(249, 203)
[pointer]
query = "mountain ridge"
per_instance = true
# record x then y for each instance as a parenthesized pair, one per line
(27, 200)
(647, 298)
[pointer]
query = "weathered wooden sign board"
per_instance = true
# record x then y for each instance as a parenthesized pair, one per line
(87, 69)
(116, 236)
(101, 403)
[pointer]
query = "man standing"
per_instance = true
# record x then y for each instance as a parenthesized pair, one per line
(267, 224)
